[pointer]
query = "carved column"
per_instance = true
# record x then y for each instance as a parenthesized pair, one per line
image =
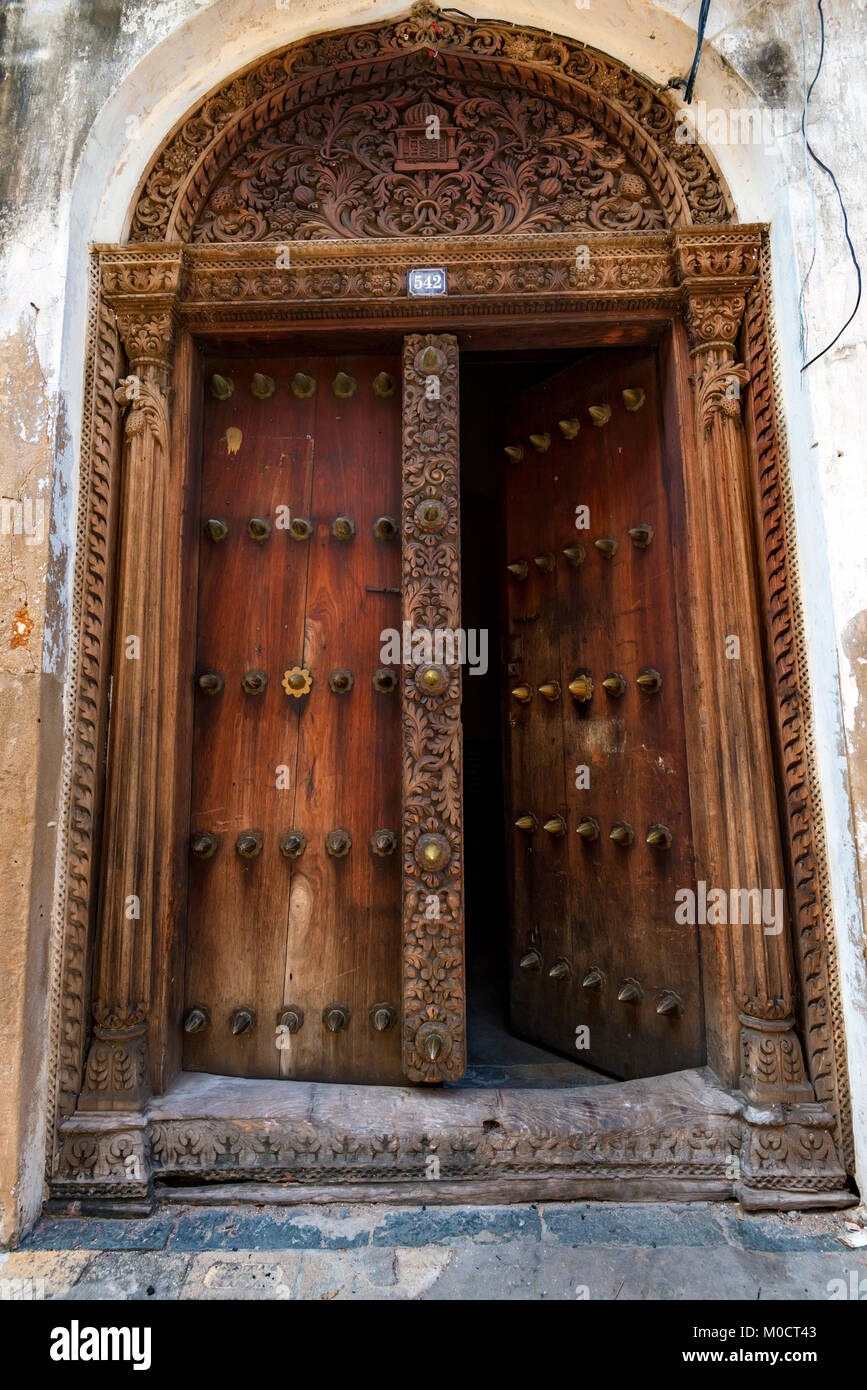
(742, 849)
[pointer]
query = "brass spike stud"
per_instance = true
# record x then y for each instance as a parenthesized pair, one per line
(300, 529)
(211, 682)
(575, 554)
(551, 691)
(669, 1003)
(222, 387)
(383, 1017)
(343, 528)
(258, 528)
(555, 826)
(607, 546)
(621, 833)
(196, 1020)
(641, 535)
(344, 386)
(614, 684)
(254, 682)
(659, 836)
(335, 1017)
(431, 361)
(581, 689)
(518, 569)
(527, 822)
(541, 442)
(630, 992)
(384, 681)
(302, 386)
(338, 843)
(523, 694)
(291, 1018)
(203, 844)
(293, 844)
(569, 428)
(531, 961)
(588, 828)
(560, 970)
(600, 414)
(633, 398)
(593, 979)
(249, 844)
(515, 452)
(242, 1021)
(385, 528)
(545, 563)
(341, 681)
(383, 843)
(262, 386)
(383, 385)
(432, 1046)
(216, 528)
(649, 680)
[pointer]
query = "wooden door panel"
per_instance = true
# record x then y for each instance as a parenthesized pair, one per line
(598, 904)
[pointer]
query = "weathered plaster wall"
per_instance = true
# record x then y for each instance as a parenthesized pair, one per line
(89, 89)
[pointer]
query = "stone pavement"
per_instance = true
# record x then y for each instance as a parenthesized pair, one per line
(556, 1251)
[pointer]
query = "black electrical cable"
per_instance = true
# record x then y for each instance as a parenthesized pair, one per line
(693, 72)
(830, 173)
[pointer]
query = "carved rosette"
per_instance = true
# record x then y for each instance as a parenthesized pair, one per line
(433, 950)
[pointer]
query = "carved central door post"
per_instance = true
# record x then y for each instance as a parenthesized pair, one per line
(788, 1140)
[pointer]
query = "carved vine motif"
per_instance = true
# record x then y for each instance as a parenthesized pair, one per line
(323, 139)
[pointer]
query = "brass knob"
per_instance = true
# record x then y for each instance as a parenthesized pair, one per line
(262, 386)
(515, 452)
(384, 681)
(335, 1017)
(196, 1020)
(384, 385)
(432, 1046)
(541, 442)
(614, 684)
(254, 682)
(607, 545)
(588, 828)
(300, 529)
(531, 961)
(523, 694)
(431, 359)
(560, 970)
(593, 979)
(258, 529)
(297, 682)
(669, 1004)
(338, 843)
(383, 1017)
(302, 386)
(203, 844)
(431, 680)
(249, 844)
(432, 852)
(622, 833)
(293, 844)
(518, 569)
(641, 535)
(222, 387)
(343, 528)
(431, 514)
(385, 528)
(545, 563)
(599, 414)
(383, 843)
(630, 992)
(581, 689)
(649, 680)
(216, 528)
(344, 386)
(555, 826)
(659, 836)
(242, 1021)
(211, 682)
(633, 398)
(575, 554)
(551, 691)
(527, 822)
(291, 1018)
(569, 428)
(341, 681)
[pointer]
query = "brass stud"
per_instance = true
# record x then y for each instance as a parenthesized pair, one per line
(515, 452)
(641, 535)
(293, 844)
(569, 428)
(431, 680)
(249, 844)
(211, 682)
(432, 1046)
(242, 1021)
(581, 689)
(551, 691)
(262, 386)
(258, 529)
(545, 563)
(196, 1020)
(341, 681)
(254, 682)
(541, 442)
(216, 528)
(518, 569)
(593, 979)
(222, 387)
(560, 970)
(649, 680)
(600, 414)
(659, 836)
(432, 852)
(344, 386)
(431, 514)
(527, 822)
(297, 682)
(383, 843)
(614, 684)
(555, 826)
(588, 828)
(523, 694)
(383, 1017)
(300, 529)
(384, 681)
(384, 385)
(607, 545)
(338, 843)
(343, 528)
(431, 360)
(203, 844)
(302, 386)
(531, 961)
(622, 833)
(633, 398)
(669, 1003)
(630, 992)
(575, 554)
(291, 1018)
(335, 1017)
(385, 528)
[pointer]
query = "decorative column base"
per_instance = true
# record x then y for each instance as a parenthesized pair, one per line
(789, 1160)
(105, 1163)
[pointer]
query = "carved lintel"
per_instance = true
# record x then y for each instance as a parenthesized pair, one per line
(104, 1157)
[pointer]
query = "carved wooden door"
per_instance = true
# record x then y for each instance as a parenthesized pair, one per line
(294, 928)
(598, 812)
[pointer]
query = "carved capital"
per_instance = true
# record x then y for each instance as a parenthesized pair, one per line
(142, 286)
(772, 1063)
(147, 337)
(713, 320)
(116, 1072)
